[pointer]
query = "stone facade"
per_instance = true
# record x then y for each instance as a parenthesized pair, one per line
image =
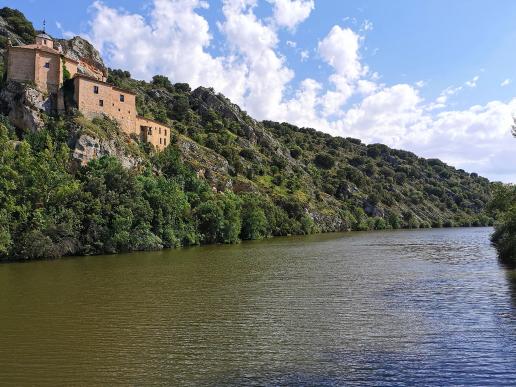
(44, 65)
(94, 98)
(21, 64)
(153, 132)
(39, 63)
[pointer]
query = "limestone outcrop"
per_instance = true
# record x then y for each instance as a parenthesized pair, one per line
(23, 104)
(87, 148)
(83, 51)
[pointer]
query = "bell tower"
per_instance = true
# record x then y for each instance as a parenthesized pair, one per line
(43, 39)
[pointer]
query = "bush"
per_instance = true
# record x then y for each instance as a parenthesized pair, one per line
(324, 161)
(295, 152)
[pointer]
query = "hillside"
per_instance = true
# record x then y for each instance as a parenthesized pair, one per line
(73, 186)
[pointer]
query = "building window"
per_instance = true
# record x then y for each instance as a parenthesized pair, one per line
(160, 141)
(101, 102)
(95, 89)
(165, 141)
(47, 65)
(165, 132)
(122, 98)
(129, 112)
(159, 130)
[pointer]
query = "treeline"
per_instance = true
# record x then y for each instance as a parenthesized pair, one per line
(503, 208)
(48, 208)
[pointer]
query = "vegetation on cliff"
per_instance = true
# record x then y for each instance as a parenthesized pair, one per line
(83, 187)
(503, 208)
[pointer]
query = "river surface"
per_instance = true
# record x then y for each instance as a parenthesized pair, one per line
(423, 307)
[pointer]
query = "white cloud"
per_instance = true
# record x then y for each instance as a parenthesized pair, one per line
(290, 13)
(304, 55)
(472, 82)
(292, 44)
(340, 50)
(505, 82)
(255, 43)
(172, 42)
(366, 87)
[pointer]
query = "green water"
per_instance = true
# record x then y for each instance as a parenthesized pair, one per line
(429, 306)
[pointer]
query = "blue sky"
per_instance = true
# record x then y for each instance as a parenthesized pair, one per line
(435, 77)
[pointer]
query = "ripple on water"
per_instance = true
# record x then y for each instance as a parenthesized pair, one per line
(429, 307)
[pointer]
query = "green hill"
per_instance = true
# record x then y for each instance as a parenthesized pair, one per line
(74, 186)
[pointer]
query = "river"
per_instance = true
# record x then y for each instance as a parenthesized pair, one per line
(426, 307)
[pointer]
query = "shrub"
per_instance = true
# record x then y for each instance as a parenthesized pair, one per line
(324, 161)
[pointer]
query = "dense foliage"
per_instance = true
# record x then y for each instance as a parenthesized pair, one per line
(330, 175)
(17, 24)
(503, 207)
(225, 177)
(49, 208)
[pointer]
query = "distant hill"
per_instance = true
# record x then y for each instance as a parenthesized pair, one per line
(225, 177)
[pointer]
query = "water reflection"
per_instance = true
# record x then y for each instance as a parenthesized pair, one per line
(409, 307)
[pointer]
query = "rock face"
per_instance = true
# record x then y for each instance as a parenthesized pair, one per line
(82, 51)
(203, 99)
(207, 163)
(23, 103)
(87, 148)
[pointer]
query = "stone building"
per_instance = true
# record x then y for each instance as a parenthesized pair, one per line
(44, 64)
(39, 63)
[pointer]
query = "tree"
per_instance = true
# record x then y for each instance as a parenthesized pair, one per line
(324, 160)
(18, 24)
(254, 221)
(162, 81)
(503, 207)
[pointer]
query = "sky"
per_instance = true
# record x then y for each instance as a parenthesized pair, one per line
(436, 77)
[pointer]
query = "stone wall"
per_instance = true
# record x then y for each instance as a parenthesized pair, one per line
(95, 98)
(48, 78)
(20, 64)
(153, 132)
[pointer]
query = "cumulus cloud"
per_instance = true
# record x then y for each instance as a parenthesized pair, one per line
(290, 13)
(174, 39)
(340, 50)
(255, 43)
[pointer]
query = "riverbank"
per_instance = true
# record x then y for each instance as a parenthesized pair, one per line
(271, 238)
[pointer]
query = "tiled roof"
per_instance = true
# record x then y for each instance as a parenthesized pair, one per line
(43, 48)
